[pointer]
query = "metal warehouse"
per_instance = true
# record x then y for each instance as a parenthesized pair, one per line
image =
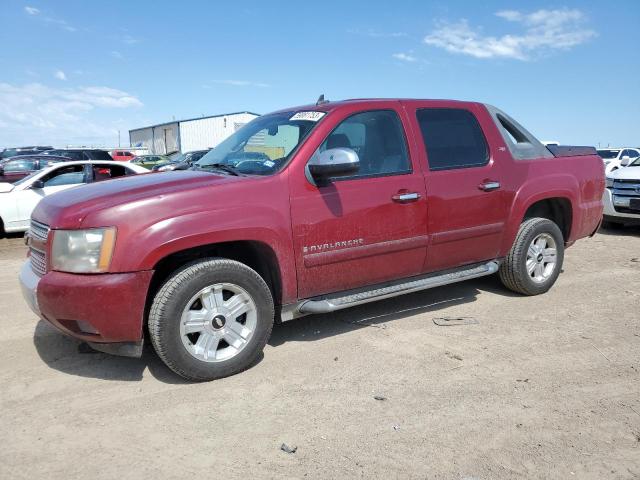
(188, 135)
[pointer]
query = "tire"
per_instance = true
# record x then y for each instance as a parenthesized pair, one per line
(195, 322)
(515, 272)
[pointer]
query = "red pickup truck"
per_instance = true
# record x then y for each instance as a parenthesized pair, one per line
(307, 210)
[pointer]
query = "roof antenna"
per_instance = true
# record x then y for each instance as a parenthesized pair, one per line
(321, 100)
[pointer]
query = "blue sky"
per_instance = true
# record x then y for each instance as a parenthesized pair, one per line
(76, 72)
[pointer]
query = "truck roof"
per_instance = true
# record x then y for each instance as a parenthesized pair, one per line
(332, 105)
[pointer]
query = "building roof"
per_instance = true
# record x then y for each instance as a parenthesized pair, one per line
(194, 118)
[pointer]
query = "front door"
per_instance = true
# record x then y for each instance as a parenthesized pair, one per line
(466, 191)
(61, 178)
(370, 227)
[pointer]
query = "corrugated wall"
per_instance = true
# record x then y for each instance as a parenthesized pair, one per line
(203, 133)
(165, 138)
(141, 138)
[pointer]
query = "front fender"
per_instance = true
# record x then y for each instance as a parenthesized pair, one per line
(142, 249)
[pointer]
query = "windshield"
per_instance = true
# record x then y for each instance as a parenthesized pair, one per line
(262, 146)
(608, 153)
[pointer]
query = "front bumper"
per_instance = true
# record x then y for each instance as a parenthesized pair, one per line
(99, 309)
(610, 212)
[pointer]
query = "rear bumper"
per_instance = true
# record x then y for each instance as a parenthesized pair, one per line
(107, 308)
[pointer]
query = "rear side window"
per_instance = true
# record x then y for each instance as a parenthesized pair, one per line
(98, 155)
(453, 138)
(20, 166)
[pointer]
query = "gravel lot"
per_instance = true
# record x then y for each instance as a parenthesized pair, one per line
(540, 387)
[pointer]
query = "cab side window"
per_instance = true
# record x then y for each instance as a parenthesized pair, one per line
(378, 139)
(20, 166)
(453, 138)
(72, 175)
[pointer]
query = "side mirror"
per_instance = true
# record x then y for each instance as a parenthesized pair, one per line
(624, 161)
(332, 163)
(38, 184)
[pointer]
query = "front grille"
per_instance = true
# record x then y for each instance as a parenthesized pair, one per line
(38, 262)
(38, 231)
(625, 189)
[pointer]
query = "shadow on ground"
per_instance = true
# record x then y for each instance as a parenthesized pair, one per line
(66, 354)
(621, 231)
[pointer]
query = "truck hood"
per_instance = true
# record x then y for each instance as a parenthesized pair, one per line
(144, 193)
(626, 173)
(6, 187)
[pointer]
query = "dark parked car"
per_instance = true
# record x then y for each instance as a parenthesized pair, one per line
(82, 154)
(15, 168)
(149, 161)
(181, 162)
(14, 152)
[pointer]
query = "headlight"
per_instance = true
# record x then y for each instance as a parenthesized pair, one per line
(609, 182)
(83, 251)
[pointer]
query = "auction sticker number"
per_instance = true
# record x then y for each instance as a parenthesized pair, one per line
(309, 116)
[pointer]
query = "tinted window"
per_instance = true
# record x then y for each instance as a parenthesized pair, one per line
(98, 155)
(378, 139)
(453, 138)
(20, 165)
(608, 153)
(106, 172)
(71, 175)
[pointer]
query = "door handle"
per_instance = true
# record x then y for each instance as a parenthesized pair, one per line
(406, 197)
(489, 186)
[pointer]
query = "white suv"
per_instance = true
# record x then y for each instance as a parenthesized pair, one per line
(622, 195)
(615, 158)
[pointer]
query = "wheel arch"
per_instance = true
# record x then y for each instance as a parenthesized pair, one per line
(552, 197)
(257, 255)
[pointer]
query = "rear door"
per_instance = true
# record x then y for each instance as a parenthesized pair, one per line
(370, 227)
(464, 184)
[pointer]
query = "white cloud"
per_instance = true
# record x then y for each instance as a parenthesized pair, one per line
(542, 31)
(376, 34)
(242, 83)
(128, 39)
(404, 57)
(35, 113)
(58, 22)
(116, 54)
(59, 74)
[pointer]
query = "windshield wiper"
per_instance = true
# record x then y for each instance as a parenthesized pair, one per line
(221, 166)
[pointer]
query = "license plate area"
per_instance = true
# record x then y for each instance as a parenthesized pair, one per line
(634, 204)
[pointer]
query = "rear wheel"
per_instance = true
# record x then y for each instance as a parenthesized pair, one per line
(535, 259)
(211, 319)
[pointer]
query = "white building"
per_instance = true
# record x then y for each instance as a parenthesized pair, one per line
(188, 135)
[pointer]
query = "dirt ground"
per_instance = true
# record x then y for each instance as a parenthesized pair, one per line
(540, 387)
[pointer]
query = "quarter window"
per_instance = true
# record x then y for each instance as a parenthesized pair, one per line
(453, 138)
(378, 139)
(20, 166)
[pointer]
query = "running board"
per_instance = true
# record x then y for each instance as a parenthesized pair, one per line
(331, 304)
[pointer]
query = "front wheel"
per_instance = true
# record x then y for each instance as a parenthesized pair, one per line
(211, 319)
(535, 259)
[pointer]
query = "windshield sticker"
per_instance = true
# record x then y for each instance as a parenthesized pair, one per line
(268, 163)
(309, 116)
